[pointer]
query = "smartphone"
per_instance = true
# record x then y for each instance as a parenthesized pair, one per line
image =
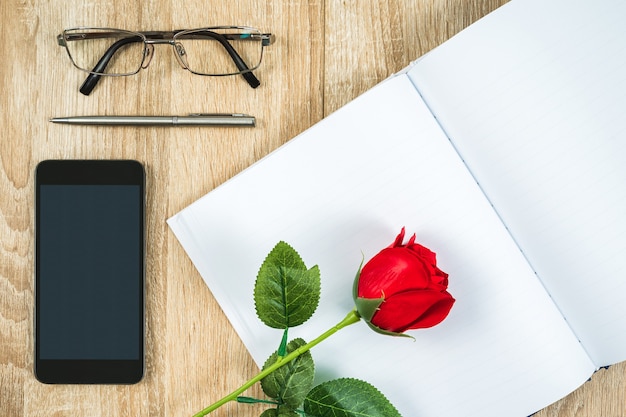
(89, 271)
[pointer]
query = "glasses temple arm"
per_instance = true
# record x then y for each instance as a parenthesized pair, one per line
(246, 73)
(250, 78)
(92, 79)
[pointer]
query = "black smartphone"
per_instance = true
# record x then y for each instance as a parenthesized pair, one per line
(89, 271)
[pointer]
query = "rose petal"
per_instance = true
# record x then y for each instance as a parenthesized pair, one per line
(436, 313)
(438, 280)
(391, 271)
(399, 239)
(413, 310)
(423, 252)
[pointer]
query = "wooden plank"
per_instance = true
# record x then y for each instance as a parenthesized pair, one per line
(326, 53)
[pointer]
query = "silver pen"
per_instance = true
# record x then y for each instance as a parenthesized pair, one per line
(195, 119)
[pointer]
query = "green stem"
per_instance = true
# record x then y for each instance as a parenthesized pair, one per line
(351, 318)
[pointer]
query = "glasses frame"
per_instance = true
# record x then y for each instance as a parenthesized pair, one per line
(151, 38)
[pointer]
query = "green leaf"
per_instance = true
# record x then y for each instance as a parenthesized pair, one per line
(348, 397)
(290, 383)
(279, 412)
(286, 294)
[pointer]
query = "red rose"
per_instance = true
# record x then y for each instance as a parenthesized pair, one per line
(401, 288)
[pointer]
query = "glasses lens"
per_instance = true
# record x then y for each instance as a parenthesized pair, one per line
(220, 51)
(105, 51)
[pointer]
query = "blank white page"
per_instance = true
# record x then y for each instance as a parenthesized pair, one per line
(534, 99)
(343, 190)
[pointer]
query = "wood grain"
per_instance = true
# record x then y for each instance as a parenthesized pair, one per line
(327, 52)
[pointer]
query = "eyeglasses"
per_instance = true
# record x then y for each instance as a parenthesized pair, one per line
(213, 51)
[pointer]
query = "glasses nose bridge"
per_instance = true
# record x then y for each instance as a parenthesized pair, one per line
(169, 41)
(150, 42)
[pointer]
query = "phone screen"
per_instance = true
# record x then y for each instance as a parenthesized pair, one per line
(89, 272)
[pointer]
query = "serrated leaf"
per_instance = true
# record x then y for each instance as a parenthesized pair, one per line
(286, 293)
(290, 383)
(348, 397)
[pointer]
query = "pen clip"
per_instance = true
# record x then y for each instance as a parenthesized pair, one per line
(218, 115)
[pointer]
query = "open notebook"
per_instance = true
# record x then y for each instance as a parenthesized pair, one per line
(504, 150)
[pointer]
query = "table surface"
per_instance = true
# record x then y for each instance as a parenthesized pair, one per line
(327, 52)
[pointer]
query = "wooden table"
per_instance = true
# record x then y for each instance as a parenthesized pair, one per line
(326, 53)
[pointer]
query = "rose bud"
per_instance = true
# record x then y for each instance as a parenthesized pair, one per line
(401, 288)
